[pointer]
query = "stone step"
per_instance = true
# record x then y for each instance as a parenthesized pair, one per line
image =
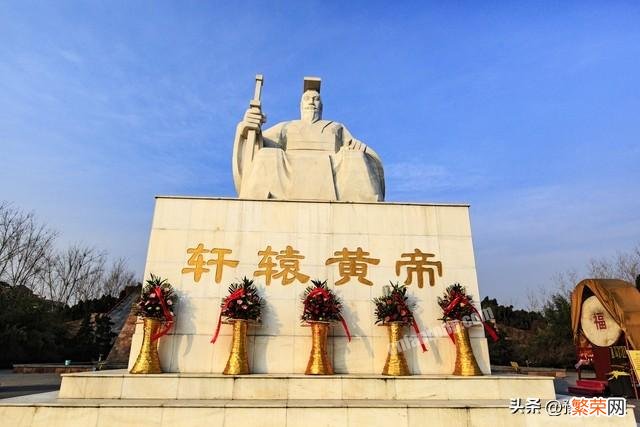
(284, 412)
(119, 384)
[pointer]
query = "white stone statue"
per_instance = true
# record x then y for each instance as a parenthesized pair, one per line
(308, 159)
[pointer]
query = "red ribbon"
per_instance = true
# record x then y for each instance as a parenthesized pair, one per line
(415, 328)
(325, 293)
(463, 299)
(346, 328)
(452, 304)
(238, 293)
(449, 329)
(167, 315)
(317, 291)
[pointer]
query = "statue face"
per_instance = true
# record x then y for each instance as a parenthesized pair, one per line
(311, 106)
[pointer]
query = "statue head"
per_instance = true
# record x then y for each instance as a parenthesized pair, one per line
(310, 106)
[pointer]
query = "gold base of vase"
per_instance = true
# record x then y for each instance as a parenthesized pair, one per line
(396, 363)
(466, 364)
(238, 363)
(148, 361)
(319, 363)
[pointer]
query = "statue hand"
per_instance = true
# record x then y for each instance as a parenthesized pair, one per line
(252, 120)
(356, 145)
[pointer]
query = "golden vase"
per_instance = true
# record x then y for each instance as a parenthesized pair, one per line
(238, 363)
(466, 364)
(396, 363)
(148, 361)
(319, 362)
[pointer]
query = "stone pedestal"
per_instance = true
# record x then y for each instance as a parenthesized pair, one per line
(119, 384)
(315, 231)
(116, 398)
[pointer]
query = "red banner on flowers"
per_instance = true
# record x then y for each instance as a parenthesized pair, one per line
(168, 317)
(231, 298)
(462, 299)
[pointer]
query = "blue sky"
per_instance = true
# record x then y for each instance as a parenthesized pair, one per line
(529, 112)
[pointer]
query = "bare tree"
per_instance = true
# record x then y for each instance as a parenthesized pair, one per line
(624, 266)
(24, 246)
(74, 275)
(118, 277)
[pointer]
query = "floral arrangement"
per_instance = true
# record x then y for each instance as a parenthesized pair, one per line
(243, 301)
(157, 300)
(393, 305)
(320, 303)
(456, 303)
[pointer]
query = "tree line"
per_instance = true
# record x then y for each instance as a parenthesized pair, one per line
(49, 296)
(542, 335)
(29, 257)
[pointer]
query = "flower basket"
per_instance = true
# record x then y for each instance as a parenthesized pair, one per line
(394, 311)
(321, 307)
(155, 306)
(457, 312)
(242, 306)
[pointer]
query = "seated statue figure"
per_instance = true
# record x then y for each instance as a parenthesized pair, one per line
(307, 159)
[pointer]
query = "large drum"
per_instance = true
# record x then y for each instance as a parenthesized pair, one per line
(597, 324)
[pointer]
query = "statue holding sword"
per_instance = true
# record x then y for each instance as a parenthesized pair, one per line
(306, 159)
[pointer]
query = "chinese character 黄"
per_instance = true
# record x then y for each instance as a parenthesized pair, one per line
(352, 264)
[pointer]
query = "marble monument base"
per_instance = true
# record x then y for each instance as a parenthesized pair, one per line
(116, 398)
(201, 245)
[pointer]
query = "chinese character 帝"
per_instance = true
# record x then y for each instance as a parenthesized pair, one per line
(418, 263)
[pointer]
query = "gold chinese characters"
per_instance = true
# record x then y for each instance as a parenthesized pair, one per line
(197, 263)
(352, 264)
(286, 266)
(417, 265)
(288, 261)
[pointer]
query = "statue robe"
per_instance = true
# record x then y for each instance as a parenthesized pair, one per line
(311, 161)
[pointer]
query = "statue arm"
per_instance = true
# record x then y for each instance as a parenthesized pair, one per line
(350, 143)
(250, 127)
(242, 157)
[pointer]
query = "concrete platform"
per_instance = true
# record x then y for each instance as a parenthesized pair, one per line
(122, 385)
(281, 412)
(116, 398)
